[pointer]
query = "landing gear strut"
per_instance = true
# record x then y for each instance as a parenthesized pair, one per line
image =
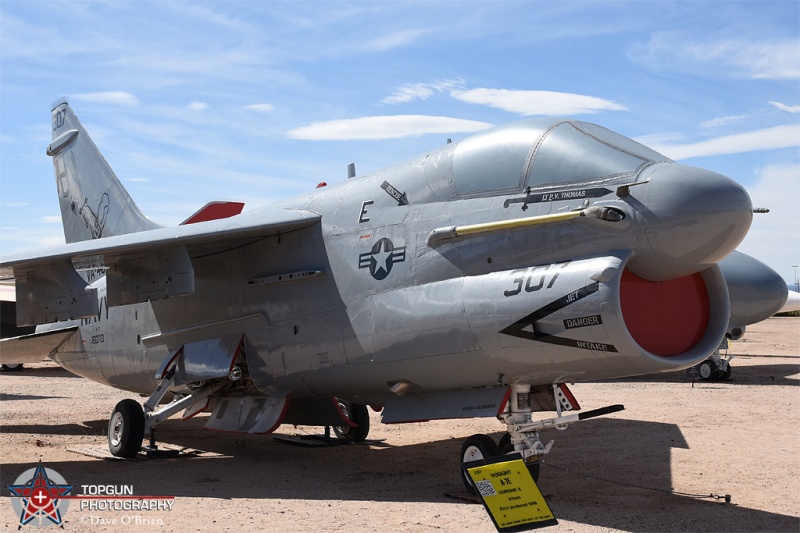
(523, 432)
(130, 423)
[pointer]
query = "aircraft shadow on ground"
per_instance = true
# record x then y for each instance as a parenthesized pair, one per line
(92, 427)
(581, 479)
(11, 397)
(777, 374)
(44, 372)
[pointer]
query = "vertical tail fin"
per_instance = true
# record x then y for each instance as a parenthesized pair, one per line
(94, 204)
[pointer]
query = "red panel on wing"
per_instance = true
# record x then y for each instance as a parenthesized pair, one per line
(215, 211)
(665, 318)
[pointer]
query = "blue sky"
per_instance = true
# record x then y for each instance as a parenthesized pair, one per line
(258, 101)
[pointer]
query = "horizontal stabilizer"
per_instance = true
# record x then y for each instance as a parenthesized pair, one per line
(33, 348)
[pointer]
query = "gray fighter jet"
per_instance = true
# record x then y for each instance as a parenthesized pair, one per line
(756, 292)
(474, 280)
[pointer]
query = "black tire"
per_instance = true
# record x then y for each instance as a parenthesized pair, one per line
(707, 369)
(475, 448)
(13, 368)
(505, 446)
(357, 413)
(126, 429)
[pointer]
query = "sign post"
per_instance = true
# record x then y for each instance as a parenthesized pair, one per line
(510, 494)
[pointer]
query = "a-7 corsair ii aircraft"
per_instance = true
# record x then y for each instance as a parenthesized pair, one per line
(474, 280)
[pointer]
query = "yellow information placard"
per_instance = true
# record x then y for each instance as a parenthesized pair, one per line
(510, 495)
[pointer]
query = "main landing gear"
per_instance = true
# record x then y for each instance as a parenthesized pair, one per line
(523, 432)
(130, 423)
(358, 414)
(716, 367)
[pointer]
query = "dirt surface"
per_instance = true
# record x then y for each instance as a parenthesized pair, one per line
(651, 467)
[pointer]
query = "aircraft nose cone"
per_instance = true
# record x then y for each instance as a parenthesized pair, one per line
(692, 219)
(756, 291)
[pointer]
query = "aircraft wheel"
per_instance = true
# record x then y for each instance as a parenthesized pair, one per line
(126, 429)
(13, 368)
(707, 369)
(475, 448)
(505, 447)
(726, 375)
(357, 413)
(504, 444)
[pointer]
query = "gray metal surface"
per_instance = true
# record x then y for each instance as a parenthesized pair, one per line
(538, 302)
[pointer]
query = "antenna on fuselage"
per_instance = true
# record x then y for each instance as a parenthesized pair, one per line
(351, 170)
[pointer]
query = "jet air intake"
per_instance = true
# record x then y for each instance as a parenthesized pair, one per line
(560, 322)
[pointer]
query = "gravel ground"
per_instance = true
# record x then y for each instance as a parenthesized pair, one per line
(651, 467)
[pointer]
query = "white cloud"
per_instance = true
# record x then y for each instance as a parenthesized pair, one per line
(773, 236)
(420, 91)
(740, 56)
(54, 219)
(198, 106)
(259, 108)
(393, 40)
(666, 137)
(16, 205)
(787, 108)
(384, 127)
(408, 93)
(54, 240)
(773, 138)
(108, 97)
(722, 121)
(547, 103)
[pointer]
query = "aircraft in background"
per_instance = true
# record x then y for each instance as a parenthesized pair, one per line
(474, 280)
(756, 292)
(792, 302)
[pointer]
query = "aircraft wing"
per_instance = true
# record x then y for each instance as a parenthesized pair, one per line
(142, 266)
(33, 348)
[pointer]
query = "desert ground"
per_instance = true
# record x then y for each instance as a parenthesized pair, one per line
(652, 467)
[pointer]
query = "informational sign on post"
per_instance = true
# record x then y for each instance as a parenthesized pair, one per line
(510, 494)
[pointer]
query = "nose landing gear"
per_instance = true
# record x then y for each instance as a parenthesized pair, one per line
(523, 432)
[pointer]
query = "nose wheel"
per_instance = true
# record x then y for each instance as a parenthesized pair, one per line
(522, 438)
(475, 448)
